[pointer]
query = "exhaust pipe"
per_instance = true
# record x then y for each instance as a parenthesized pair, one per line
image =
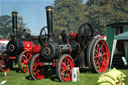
(49, 10)
(14, 23)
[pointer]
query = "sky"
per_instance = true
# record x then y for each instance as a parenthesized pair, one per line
(32, 11)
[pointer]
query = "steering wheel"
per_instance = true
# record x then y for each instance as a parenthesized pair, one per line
(85, 33)
(43, 35)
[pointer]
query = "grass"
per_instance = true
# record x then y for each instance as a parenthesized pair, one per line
(15, 77)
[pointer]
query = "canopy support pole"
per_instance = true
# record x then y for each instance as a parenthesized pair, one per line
(113, 49)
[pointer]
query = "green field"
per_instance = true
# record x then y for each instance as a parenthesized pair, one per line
(15, 77)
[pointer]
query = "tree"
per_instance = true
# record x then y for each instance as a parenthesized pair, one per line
(6, 26)
(102, 12)
(68, 15)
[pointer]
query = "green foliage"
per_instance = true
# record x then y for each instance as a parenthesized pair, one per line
(6, 26)
(68, 14)
(102, 12)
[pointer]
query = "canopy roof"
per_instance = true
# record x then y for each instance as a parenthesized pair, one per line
(122, 36)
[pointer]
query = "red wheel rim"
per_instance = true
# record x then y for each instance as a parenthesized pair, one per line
(25, 61)
(3, 65)
(37, 70)
(66, 68)
(101, 56)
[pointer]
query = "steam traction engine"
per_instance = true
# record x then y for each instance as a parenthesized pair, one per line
(77, 49)
(19, 49)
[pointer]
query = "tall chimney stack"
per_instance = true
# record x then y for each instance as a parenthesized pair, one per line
(14, 23)
(49, 10)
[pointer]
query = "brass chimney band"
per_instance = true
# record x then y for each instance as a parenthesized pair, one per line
(49, 8)
(14, 13)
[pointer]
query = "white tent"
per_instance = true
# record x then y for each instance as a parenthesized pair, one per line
(123, 36)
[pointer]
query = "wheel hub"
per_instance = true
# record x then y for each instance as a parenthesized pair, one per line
(68, 68)
(101, 55)
(25, 61)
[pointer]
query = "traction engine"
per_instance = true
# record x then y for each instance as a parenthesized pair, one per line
(20, 48)
(77, 49)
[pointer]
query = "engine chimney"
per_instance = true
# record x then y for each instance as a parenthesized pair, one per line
(50, 22)
(14, 23)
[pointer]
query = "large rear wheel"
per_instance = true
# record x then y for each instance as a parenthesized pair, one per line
(36, 68)
(89, 52)
(23, 61)
(99, 56)
(64, 68)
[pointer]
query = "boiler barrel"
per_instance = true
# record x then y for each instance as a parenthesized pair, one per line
(36, 47)
(51, 50)
(15, 47)
(72, 48)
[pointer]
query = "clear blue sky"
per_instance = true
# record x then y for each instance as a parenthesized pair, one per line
(32, 11)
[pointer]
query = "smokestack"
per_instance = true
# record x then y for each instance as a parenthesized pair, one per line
(49, 10)
(14, 23)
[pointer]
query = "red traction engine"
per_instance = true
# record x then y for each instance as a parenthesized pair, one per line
(79, 49)
(20, 49)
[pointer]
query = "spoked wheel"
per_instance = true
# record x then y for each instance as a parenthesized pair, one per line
(99, 56)
(23, 61)
(3, 63)
(37, 71)
(91, 42)
(64, 67)
(85, 33)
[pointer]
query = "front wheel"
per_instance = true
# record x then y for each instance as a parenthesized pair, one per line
(64, 68)
(23, 61)
(4, 64)
(36, 70)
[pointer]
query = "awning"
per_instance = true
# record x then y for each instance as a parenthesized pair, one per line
(123, 36)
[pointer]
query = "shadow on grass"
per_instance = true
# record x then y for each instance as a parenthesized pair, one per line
(120, 67)
(54, 78)
(85, 70)
(16, 69)
(50, 74)
(29, 77)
